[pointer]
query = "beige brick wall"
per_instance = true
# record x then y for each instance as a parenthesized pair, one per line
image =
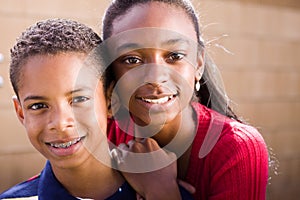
(261, 75)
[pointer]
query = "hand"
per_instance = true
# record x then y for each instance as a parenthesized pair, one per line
(190, 188)
(150, 170)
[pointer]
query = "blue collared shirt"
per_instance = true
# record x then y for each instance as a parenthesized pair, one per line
(46, 187)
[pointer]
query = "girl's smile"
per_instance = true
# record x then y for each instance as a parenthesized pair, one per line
(156, 103)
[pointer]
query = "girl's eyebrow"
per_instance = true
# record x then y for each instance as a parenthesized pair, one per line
(176, 41)
(134, 46)
(128, 47)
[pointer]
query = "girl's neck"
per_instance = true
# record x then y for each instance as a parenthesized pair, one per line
(179, 131)
(178, 136)
(92, 180)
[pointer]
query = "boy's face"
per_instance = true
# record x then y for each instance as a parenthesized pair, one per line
(58, 98)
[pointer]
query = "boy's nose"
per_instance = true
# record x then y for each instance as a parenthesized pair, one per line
(61, 119)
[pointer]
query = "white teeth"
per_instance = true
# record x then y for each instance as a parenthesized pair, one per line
(65, 144)
(158, 101)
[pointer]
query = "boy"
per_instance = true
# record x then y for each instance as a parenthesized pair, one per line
(57, 77)
(55, 85)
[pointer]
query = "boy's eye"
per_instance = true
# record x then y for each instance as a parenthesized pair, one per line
(174, 56)
(37, 106)
(132, 60)
(79, 99)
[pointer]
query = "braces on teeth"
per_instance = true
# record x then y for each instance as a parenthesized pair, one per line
(66, 144)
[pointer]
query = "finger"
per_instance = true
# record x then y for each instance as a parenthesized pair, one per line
(113, 153)
(151, 144)
(123, 146)
(136, 147)
(139, 197)
(130, 143)
(191, 189)
(148, 144)
(122, 153)
(141, 140)
(171, 155)
(116, 155)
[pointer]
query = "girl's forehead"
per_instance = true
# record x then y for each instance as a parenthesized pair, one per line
(155, 14)
(149, 38)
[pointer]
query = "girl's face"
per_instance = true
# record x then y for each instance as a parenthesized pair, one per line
(157, 62)
(57, 102)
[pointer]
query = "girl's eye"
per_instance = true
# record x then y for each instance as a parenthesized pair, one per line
(37, 106)
(79, 99)
(132, 60)
(174, 56)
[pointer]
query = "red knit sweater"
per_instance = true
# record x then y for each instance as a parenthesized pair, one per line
(229, 160)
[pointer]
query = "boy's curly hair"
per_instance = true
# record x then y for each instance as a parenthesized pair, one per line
(50, 37)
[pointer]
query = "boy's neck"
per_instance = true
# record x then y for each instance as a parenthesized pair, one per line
(92, 180)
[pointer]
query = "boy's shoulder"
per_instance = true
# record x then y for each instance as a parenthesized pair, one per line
(25, 190)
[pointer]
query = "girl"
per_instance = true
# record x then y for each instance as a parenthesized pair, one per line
(156, 58)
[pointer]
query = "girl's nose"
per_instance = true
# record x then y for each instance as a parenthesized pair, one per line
(156, 74)
(156, 70)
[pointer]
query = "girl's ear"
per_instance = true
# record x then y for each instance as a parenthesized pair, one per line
(200, 68)
(18, 109)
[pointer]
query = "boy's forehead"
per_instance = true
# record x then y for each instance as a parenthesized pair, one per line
(46, 71)
(71, 62)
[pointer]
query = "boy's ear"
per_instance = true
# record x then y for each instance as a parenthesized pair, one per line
(113, 102)
(18, 109)
(109, 91)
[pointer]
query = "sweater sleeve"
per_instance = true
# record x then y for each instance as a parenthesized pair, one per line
(239, 165)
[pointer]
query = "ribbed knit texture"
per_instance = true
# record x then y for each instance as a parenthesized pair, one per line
(236, 167)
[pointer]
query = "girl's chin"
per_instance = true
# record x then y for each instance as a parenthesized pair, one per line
(154, 119)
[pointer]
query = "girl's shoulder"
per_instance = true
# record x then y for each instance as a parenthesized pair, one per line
(216, 130)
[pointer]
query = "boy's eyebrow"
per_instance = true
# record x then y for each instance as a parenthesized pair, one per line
(37, 97)
(34, 97)
(79, 90)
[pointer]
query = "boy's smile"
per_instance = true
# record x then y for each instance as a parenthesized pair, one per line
(62, 144)
(62, 148)
(52, 104)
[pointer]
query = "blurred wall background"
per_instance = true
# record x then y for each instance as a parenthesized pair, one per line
(256, 44)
